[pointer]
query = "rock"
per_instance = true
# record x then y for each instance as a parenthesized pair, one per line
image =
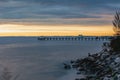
(118, 76)
(107, 78)
(77, 79)
(117, 60)
(75, 66)
(66, 66)
(81, 79)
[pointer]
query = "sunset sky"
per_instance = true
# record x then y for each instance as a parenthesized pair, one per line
(57, 17)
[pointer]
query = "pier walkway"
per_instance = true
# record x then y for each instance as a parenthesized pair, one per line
(59, 38)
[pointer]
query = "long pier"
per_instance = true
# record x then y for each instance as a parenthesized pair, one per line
(59, 38)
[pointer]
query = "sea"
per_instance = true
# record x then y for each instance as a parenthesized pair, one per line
(32, 59)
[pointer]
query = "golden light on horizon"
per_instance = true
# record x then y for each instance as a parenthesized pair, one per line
(53, 30)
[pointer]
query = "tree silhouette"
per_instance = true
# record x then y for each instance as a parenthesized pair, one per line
(116, 23)
(115, 43)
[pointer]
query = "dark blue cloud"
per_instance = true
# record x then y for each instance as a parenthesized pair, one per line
(58, 9)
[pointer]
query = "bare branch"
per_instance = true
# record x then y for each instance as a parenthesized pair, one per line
(116, 23)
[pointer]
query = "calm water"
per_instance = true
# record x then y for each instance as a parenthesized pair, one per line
(41, 60)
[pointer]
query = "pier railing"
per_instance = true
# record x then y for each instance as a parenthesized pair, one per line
(58, 38)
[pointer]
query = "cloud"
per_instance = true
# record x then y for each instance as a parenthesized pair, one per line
(51, 11)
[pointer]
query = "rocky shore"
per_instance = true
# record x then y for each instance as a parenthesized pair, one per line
(104, 65)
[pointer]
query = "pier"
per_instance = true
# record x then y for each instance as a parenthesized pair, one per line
(61, 38)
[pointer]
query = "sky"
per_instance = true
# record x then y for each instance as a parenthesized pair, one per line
(57, 17)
